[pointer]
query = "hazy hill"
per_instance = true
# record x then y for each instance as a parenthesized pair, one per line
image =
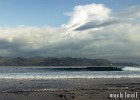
(52, 61)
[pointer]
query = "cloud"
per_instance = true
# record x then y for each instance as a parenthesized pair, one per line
(95, 24)
(28, 39)
(129, 15)
(93, 31)
(86, 13)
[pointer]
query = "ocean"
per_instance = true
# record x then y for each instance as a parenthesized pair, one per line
(65, 72)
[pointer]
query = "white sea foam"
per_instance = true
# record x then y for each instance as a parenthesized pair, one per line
(69, 75)
(131, 69)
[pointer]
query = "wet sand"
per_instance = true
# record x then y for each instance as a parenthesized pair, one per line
(70, 89)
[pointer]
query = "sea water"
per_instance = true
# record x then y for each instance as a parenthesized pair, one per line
(61, 72)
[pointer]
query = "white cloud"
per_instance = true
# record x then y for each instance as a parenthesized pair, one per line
(130, 13)
(86, 13)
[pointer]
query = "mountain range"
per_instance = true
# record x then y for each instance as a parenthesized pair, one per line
(53, 61)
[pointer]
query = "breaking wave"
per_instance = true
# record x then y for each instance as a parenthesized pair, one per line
(131, 69)
(70, 75)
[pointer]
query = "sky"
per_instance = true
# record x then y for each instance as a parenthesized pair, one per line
(98, 29)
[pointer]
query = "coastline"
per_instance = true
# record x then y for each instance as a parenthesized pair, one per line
(68, 89)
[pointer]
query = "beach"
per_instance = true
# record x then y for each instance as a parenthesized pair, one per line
(70, 89)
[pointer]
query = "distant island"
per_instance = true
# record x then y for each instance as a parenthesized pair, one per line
(53, 61)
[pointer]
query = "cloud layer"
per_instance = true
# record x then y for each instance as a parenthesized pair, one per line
(93, 31)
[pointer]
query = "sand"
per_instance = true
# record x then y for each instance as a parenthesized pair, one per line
(70, 89)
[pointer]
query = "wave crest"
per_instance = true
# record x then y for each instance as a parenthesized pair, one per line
(131, 69)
